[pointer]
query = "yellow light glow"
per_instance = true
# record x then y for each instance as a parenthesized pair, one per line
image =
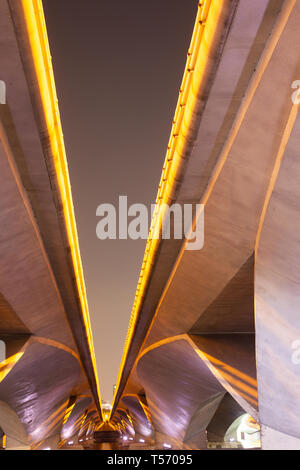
(48, 424)
(37, 34)
(7, 365)
(68, 412)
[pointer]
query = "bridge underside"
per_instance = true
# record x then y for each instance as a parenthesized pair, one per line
(212, 354)
(209, 352)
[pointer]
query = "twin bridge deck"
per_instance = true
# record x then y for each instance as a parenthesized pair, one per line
(211, 357)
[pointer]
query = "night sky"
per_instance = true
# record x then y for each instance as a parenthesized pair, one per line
(118, 66)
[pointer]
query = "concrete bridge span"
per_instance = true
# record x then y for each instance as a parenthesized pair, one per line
(211, 358)
(221, 323)
(49, 368)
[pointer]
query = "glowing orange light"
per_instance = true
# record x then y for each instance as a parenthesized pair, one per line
(7, 365)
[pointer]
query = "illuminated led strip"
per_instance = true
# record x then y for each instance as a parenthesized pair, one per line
(8, 364)
(37, 33)
(182, 118)
(68, 412)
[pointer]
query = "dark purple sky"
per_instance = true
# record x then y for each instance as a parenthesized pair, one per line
(118, 66)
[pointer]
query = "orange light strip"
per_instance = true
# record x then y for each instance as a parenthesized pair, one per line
(37, 33)
(183, 115)
(67, 413)
(8, 364)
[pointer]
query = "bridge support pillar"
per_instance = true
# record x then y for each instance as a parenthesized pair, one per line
(16, 436)
(276, 440)
(51, 443)
(162, 441)
(14, 444)
(197, 442)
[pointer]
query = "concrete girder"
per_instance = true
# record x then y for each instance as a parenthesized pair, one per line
(140, 415)
(16, 436)
(74, 420)
(40, 399)
(44, 317)
(177, 383)
(239, 157)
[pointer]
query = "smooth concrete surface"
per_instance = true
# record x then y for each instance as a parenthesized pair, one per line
(51, 443)
(16, 436)
(277, 286)
(225, 323)
(47, 356)
(237, 58)
(74, 421)
(176, 385)
(231, 359)
(217, 332)
(272, 439)
(140, 414)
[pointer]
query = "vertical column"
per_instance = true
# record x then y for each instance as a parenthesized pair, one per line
(277, 305)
